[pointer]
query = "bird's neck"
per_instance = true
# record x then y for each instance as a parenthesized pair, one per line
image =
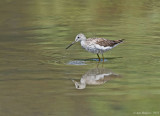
(83, 43)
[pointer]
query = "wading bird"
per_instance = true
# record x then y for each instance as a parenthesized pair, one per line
(96, 45)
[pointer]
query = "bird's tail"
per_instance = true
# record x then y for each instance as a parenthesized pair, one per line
(120, 41)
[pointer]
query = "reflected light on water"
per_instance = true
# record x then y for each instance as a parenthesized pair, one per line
(96, 76)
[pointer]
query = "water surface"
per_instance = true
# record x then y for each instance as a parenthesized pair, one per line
(37, 73)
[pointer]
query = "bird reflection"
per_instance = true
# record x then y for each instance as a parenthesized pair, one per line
(95, 76)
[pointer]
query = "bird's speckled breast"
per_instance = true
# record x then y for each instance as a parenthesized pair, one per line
(91, 46)
(88, 46)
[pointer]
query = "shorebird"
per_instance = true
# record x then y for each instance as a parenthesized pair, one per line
(95, 45)
(97, 76)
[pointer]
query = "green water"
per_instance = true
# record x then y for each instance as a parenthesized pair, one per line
(37, 73)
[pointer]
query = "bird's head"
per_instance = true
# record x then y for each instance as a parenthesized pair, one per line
(79, 37)
(79, 85)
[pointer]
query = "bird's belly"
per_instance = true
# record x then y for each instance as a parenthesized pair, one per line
(91, 48)
(94, 48)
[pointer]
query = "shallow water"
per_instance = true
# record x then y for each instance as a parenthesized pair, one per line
(37, 74)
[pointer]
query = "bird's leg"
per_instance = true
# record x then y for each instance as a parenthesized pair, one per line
(103, 57)
(97, 65)
(99, 58)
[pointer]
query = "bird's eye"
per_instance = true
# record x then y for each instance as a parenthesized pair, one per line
(77, 37)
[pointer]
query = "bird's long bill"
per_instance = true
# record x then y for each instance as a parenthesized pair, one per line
(70, 45)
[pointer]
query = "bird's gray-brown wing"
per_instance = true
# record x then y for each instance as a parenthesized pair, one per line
(105, 42)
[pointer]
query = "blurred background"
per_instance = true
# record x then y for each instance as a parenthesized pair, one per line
(36, 71)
